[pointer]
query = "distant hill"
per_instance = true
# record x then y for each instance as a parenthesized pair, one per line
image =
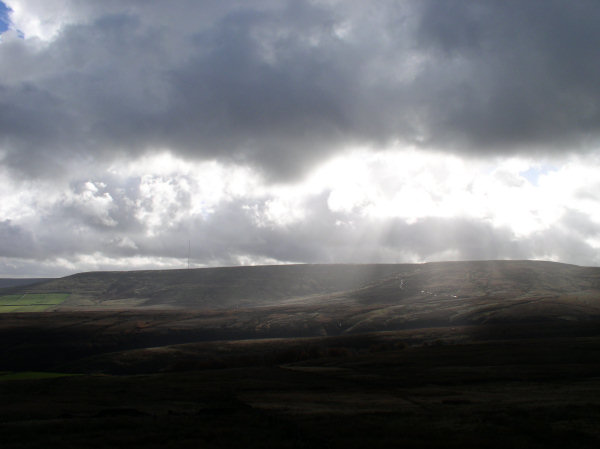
(362, 297)
(212, 287)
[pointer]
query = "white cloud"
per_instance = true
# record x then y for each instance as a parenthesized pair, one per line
(43, 20)
(346, 210)
(92, 203)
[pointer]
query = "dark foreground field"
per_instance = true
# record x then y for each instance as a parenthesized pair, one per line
(526, 385)
(490, 354)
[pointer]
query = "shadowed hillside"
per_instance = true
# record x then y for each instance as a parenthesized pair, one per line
(453, 354)
(316, 300)
(446, 292)
(212, 287)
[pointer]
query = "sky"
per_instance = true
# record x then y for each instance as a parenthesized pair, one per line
(134, 133)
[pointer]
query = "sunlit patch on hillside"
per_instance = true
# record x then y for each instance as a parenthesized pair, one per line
(31, 302)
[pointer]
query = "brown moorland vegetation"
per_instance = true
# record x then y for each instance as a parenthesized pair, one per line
(495, 354)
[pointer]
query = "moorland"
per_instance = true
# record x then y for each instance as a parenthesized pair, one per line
(448, 354)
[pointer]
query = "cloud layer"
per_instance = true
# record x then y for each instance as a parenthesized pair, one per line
(297, 131)
(280, 84)
(365, 206)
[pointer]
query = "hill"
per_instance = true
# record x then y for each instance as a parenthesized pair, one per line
(207, 288)
(355, 297)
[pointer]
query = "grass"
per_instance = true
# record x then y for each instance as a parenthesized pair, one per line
(7, 300)
(7, 309)
(31, 302)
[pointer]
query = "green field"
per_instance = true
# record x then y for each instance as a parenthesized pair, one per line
(31, 302)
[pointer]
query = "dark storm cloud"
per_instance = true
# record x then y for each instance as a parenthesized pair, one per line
(282, 85)
(524, 72)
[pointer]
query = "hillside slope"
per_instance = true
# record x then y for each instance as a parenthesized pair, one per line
(355, 297)
(211, 287)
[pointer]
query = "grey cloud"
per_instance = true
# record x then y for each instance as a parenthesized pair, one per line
(15, 241)
(579, 224)
(279, 86)
(325, 236)
(525, 76)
